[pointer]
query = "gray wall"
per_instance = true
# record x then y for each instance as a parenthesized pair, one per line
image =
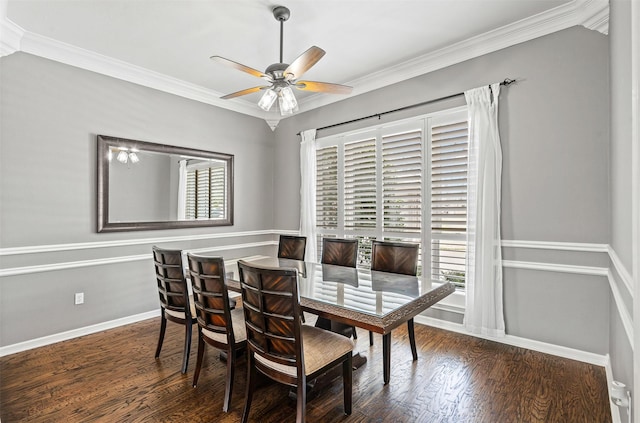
(51, 114)
(620, 222)
(141, 192)
(554, 126)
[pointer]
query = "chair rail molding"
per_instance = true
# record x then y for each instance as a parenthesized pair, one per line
(623, 312)
(24, 270)
(554, 245)
(36, 249)
(622, 271)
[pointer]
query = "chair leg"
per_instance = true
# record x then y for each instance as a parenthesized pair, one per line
(301, 400)
(187, 345)
(412, 339)
(370, 338)
(228, 390)
(347, 383)
(355, 334)
(386, 358)
(251, 381)
(163, 327)
(201, 343)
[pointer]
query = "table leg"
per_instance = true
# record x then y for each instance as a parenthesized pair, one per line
(386, 357)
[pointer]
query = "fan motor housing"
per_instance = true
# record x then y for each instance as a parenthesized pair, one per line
(276, 70)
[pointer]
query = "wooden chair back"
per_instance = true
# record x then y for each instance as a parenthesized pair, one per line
(272, 314)
(172, 285)
(210, 295)
(340, 252)
(394, 257)
(292, 247)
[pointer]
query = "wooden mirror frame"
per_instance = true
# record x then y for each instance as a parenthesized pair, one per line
(105, 225)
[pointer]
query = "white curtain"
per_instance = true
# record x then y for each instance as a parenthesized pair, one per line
(308, 192)
(484, 304)
(182, 190)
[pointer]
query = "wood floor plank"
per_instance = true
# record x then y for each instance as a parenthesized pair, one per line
(112, 376)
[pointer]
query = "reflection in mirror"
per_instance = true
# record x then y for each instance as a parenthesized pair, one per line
(143, 185)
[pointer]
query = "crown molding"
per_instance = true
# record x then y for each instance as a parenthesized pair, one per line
(10, 34)
(593, 14)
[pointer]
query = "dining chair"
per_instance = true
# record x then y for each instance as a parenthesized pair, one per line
(279, 345)
(339, 252)
(292, 247)
(396, 257)
(218, 325)
(174, 297)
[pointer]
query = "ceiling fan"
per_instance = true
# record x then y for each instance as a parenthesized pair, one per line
(283, 76)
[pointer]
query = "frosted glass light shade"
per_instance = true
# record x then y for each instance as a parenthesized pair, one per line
(287, 101)
(267, 100)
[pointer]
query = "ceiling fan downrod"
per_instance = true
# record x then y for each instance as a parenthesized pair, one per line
(281, 14)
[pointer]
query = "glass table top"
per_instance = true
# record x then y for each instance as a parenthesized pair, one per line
(361, 290)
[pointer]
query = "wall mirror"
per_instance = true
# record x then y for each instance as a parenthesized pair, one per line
(146, 186)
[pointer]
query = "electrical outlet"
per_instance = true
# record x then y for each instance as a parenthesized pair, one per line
(79, 298)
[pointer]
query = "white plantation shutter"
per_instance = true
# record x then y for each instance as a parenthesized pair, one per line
(376, 184)
(402, 182)
(360, 185)
(449, 164)
(327, 187)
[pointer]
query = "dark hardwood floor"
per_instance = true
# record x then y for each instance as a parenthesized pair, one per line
(112, 376)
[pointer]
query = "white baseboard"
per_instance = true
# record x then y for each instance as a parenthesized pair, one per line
(543, 347)
(615, 412)
(76, 333)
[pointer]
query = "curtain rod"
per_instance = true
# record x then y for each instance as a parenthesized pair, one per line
(506, 82)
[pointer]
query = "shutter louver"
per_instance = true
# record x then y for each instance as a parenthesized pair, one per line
(327, 187)
(402, 182)
(360, 185)
(449, 163)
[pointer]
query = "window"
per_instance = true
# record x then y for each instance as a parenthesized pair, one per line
(400, 182)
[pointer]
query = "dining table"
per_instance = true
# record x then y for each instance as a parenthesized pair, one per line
(372, 300)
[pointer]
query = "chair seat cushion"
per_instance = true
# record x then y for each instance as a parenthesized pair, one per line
(239, 328)
(180, 314)
(320, 347)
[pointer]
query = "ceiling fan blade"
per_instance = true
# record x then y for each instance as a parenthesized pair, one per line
(241, 67)
(303, 63)
(243, 92)
(323, 87)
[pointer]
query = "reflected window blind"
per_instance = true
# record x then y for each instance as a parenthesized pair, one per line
(205, 193)
(449, 164)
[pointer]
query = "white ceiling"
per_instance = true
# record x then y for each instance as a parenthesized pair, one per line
(369, 43)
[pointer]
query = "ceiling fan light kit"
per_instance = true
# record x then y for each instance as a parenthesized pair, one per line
(283, 76)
